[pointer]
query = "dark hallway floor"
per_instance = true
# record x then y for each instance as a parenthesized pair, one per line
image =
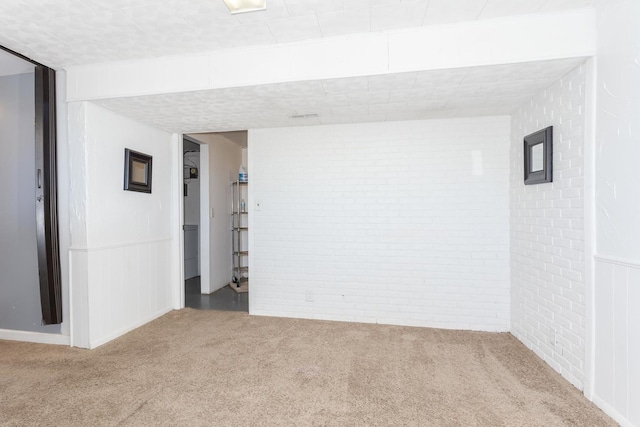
(225, 299)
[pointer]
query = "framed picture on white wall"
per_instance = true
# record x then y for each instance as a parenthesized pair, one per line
(137, 171)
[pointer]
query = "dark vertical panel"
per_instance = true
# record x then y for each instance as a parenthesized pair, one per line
(46, 196)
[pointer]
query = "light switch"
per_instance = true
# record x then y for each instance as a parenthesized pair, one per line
(213, 214)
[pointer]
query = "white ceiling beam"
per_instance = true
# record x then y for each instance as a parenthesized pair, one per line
(523, 38)
(490, 42)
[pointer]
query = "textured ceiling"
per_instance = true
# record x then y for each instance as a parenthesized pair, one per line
(59, 33)
(461, 92)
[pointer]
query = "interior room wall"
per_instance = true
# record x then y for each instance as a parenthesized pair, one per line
(225, 157)
(547, 231)
(617, 254)
(19, 285)
(400, 222)
(121, 265)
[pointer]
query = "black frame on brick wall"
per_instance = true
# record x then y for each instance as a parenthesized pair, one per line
(542, 137)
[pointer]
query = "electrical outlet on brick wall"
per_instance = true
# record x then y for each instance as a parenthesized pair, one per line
(309, 296)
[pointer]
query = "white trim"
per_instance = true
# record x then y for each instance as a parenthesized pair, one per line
(503, 327)
(611, 411)
(71, 310)
(35, 337)
(250, 238)
(205, 221)
(590, 223)
(119, 245)
(96, 343)
(177, 220)
(617, 261)
(63, 203)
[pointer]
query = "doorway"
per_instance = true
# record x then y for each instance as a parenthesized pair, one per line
(191, 186)
(192, 219)
(217, 157)
(30, 288)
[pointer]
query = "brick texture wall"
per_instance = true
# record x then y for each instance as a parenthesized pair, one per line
(400, 223)
(547, 231)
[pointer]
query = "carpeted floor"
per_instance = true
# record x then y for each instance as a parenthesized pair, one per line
(192, 368)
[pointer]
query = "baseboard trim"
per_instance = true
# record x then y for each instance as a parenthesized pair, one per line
(97, 343)
(612, 412)
(34, 337)
(386, 321)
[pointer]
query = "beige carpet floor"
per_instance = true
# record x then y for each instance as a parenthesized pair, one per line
(196, 368)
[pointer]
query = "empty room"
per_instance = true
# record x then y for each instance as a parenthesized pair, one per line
(427, 209)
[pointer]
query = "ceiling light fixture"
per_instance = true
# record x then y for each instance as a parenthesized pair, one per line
(244, 6)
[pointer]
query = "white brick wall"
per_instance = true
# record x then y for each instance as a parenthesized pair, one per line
(547, 231)
(400, 223)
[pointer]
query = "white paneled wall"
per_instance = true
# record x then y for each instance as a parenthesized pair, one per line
(547, 231)
(128, 287)
(617, 353)
(617, 264)
(121, 264)
(400, 223)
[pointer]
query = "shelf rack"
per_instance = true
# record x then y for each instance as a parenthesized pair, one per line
(239, 228)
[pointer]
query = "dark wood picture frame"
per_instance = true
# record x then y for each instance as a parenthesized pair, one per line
(538, 157)
(137, 171)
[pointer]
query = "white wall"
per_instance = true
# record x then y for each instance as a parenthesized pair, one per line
(121, 264)
(547, 231)
(225, 157)
(617, 260)
(617, 128)
(400, 223)
(19, 284)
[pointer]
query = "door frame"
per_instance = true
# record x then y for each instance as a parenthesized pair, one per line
(46, 195)
(204, 228)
